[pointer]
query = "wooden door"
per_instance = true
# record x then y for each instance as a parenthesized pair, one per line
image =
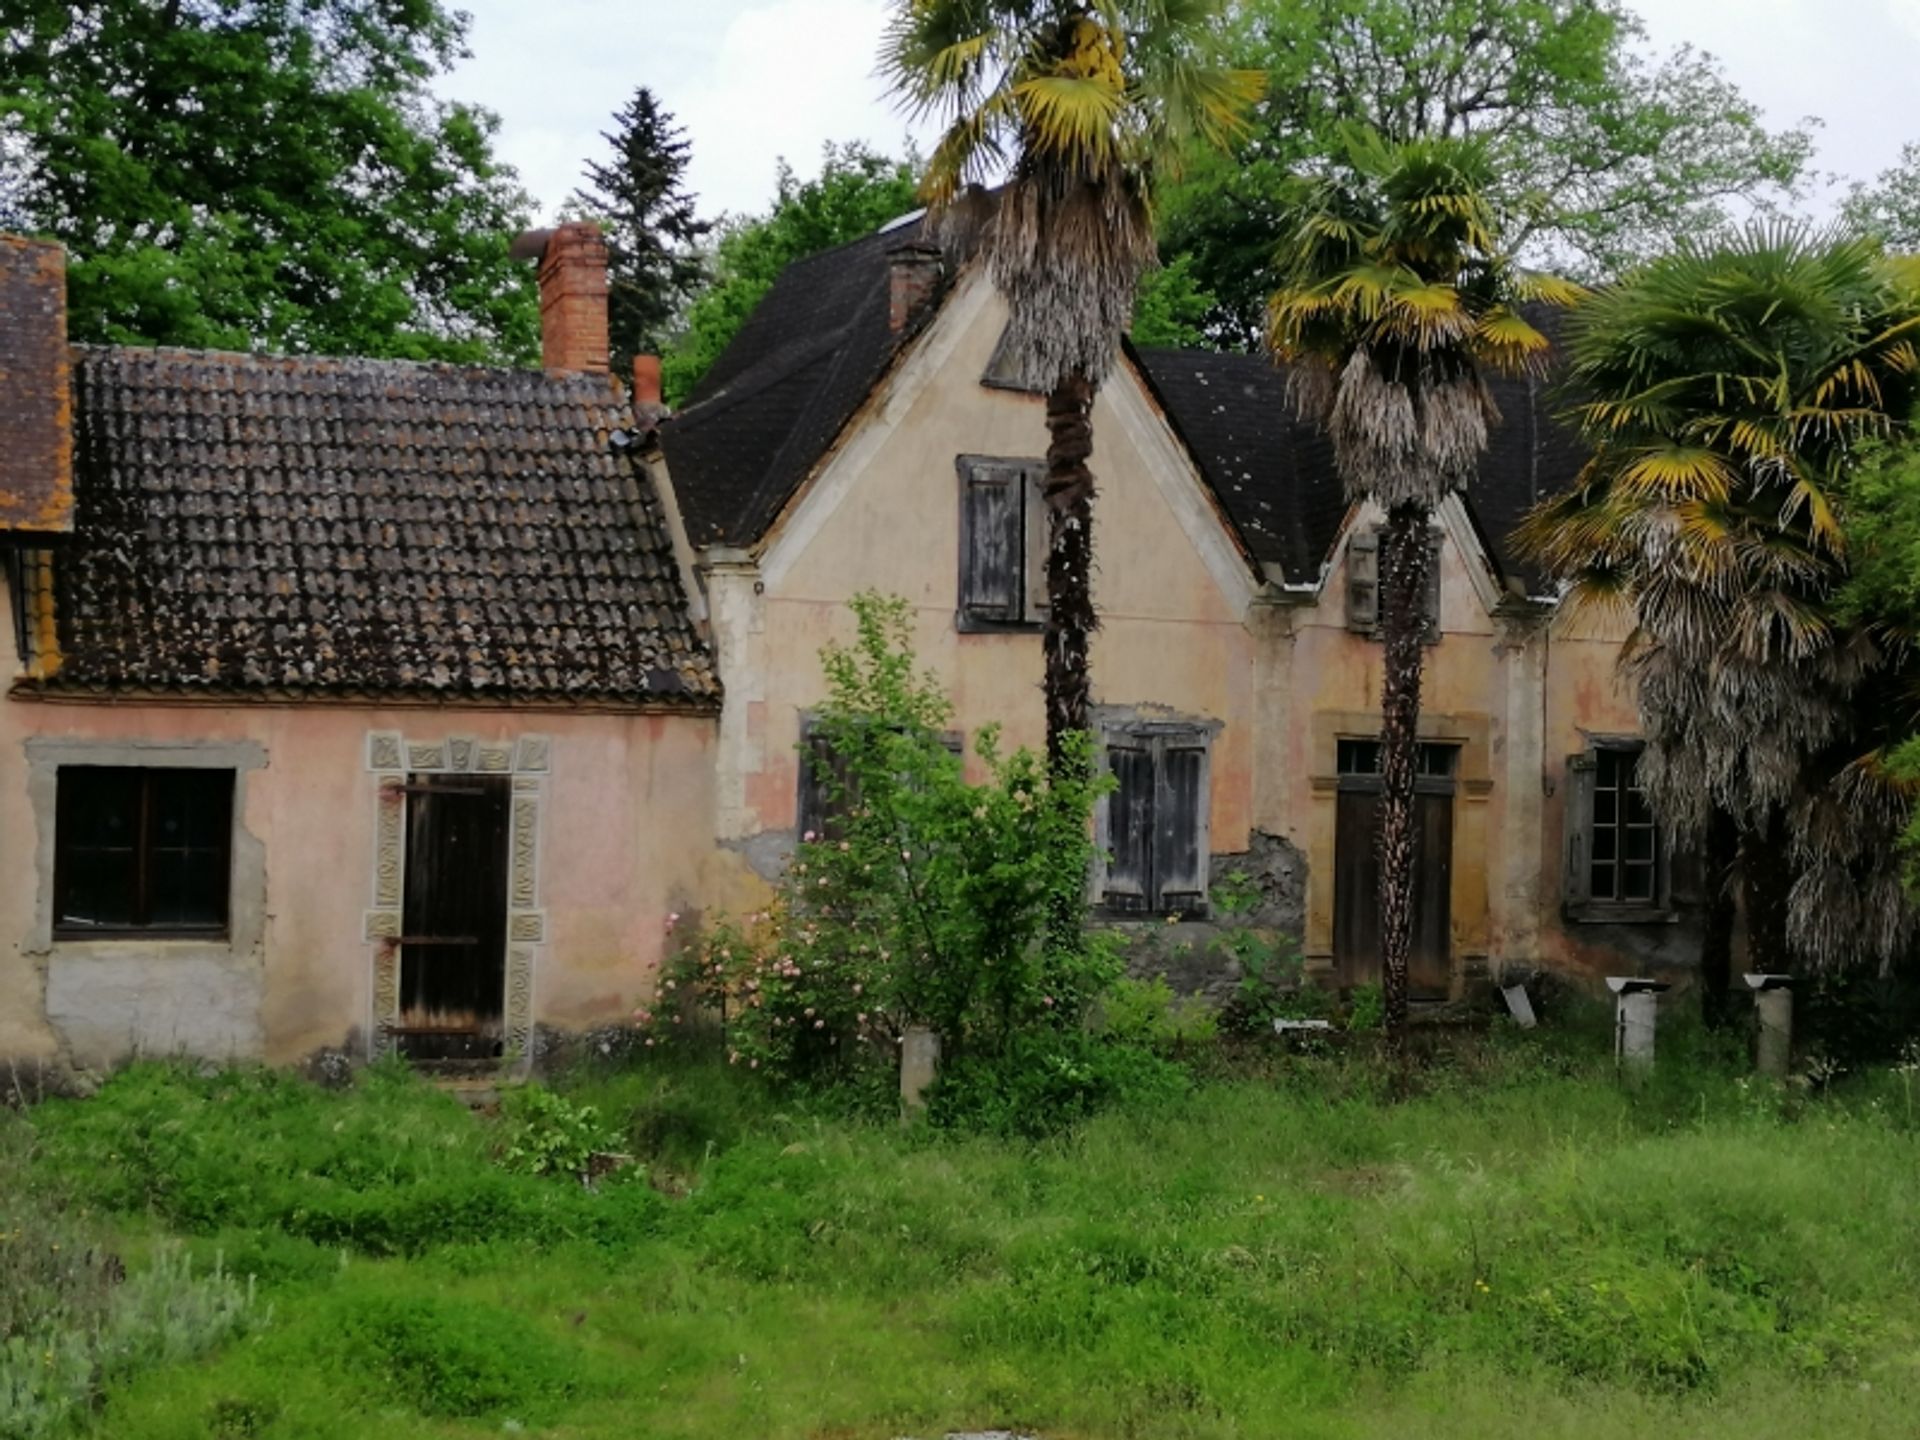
(1356, 889)
(453, 948)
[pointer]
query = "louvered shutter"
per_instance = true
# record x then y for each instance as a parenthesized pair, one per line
(827, 783)
(992, 545)
(1363, 580)
(1039, 538)
(1180, 852)
(1578, 884)
(1130, 829)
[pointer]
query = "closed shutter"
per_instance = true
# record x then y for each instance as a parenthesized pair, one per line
(1180, 852)
(1039, 540)
(993, 556)
(1363, 580)
(1430, 600)
(1578, 884)
(1130, 826)
(826, 787)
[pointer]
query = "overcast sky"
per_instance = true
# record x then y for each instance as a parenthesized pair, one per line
(753, 80)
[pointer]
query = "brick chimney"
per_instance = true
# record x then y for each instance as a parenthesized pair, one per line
(914, 273)
(36, 392)
(646, 380)
(572, 262)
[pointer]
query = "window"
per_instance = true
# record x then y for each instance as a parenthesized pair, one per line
(1363, 582)
(1154, 822)
(141, 850)
(1003, 543)
(1616, 857)
(829, 789)
(1362, 757)
(999, 371)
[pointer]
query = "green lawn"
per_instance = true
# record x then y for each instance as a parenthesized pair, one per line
(1524, 1248)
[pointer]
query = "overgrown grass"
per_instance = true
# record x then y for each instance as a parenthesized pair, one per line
(1526, 1247)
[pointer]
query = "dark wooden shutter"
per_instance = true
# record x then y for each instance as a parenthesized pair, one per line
(1430, 955)
(1039, 536)
(1363, 579)
(1577, 887)
(993, 556)
(453, 951)
(826, 787)
(1430, 601)
(1356, 888)
(1129, 882)
(1180, 861)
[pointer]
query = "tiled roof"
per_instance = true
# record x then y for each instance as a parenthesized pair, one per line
(362, 527)
(783, 390)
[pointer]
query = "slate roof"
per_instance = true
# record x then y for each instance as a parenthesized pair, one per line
(364, 528)
(783, 390)
(812, 351)
(1274, 475)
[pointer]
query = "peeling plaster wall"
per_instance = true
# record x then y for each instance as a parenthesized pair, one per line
(628, 805)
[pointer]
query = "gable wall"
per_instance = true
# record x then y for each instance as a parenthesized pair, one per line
(884, 514)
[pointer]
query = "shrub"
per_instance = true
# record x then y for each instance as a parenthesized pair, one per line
(1039, 1082)
(548, 1134)
(927, 904)
(457, 1359)
(1148, 1013)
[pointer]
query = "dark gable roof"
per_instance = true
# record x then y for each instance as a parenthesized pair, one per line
(780, 394)
(1274, 476)
(364, 528)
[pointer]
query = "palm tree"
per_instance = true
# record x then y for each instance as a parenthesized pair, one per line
(1395, 298)
(1726, 390)
(1071, 107)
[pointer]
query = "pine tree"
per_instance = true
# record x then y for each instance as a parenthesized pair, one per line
(653, 258)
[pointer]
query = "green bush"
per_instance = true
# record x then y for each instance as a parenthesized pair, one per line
(548, 1134)
(1038, 1083)
(1147, 1013)
(929, 903)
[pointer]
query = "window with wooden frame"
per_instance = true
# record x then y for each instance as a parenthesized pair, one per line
(142, 851)
(1003, 543)
(1363, 582)
(1153, 825)
(1618, 865)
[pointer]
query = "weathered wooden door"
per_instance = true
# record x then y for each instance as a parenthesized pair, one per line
(453, 948)
(1356, 882)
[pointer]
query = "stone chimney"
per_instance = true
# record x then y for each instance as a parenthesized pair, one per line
(914, 273)
(572, 262)
(36, 391)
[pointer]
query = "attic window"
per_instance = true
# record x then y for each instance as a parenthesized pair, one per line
(1003, 543)
(1363, 582)
(999, 374)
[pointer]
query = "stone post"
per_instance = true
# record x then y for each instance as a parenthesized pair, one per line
(919, 1067)
(1636, 1011)
(1773, 1005)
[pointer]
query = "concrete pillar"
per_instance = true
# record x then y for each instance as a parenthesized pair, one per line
(736, 624)
(919, 1068)
(1517, 866)
(1773, 1006)
(1636, 1011)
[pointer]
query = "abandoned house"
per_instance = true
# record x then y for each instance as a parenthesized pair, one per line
(375, 705)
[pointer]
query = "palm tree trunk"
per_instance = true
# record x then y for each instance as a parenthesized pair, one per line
(1766, 878)
(1404, 561)
(1716, 940)
(1070, 617)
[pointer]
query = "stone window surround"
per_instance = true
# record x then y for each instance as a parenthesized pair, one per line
(526, 760)
(247, 878)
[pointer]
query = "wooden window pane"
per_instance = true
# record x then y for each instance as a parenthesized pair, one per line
(142, 849)
(994, 559)
(1130, 827)
(1638, 883)
(1601, 883)
(1179, 865)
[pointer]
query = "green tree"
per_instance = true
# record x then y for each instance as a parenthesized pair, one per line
(1071, 106)
(1727, 390)
(856, 192)
(263, 173)
(1890, 206)
(1600, 149)
(639, 195)
(1395, 294)
(1172, 308)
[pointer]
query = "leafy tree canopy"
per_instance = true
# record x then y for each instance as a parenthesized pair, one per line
(263, 173)
(856, 192)
(1601, 153)
(1172, 308)
(639, 195)
(1890, 206)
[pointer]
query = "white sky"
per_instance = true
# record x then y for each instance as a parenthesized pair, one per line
(753, 80)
